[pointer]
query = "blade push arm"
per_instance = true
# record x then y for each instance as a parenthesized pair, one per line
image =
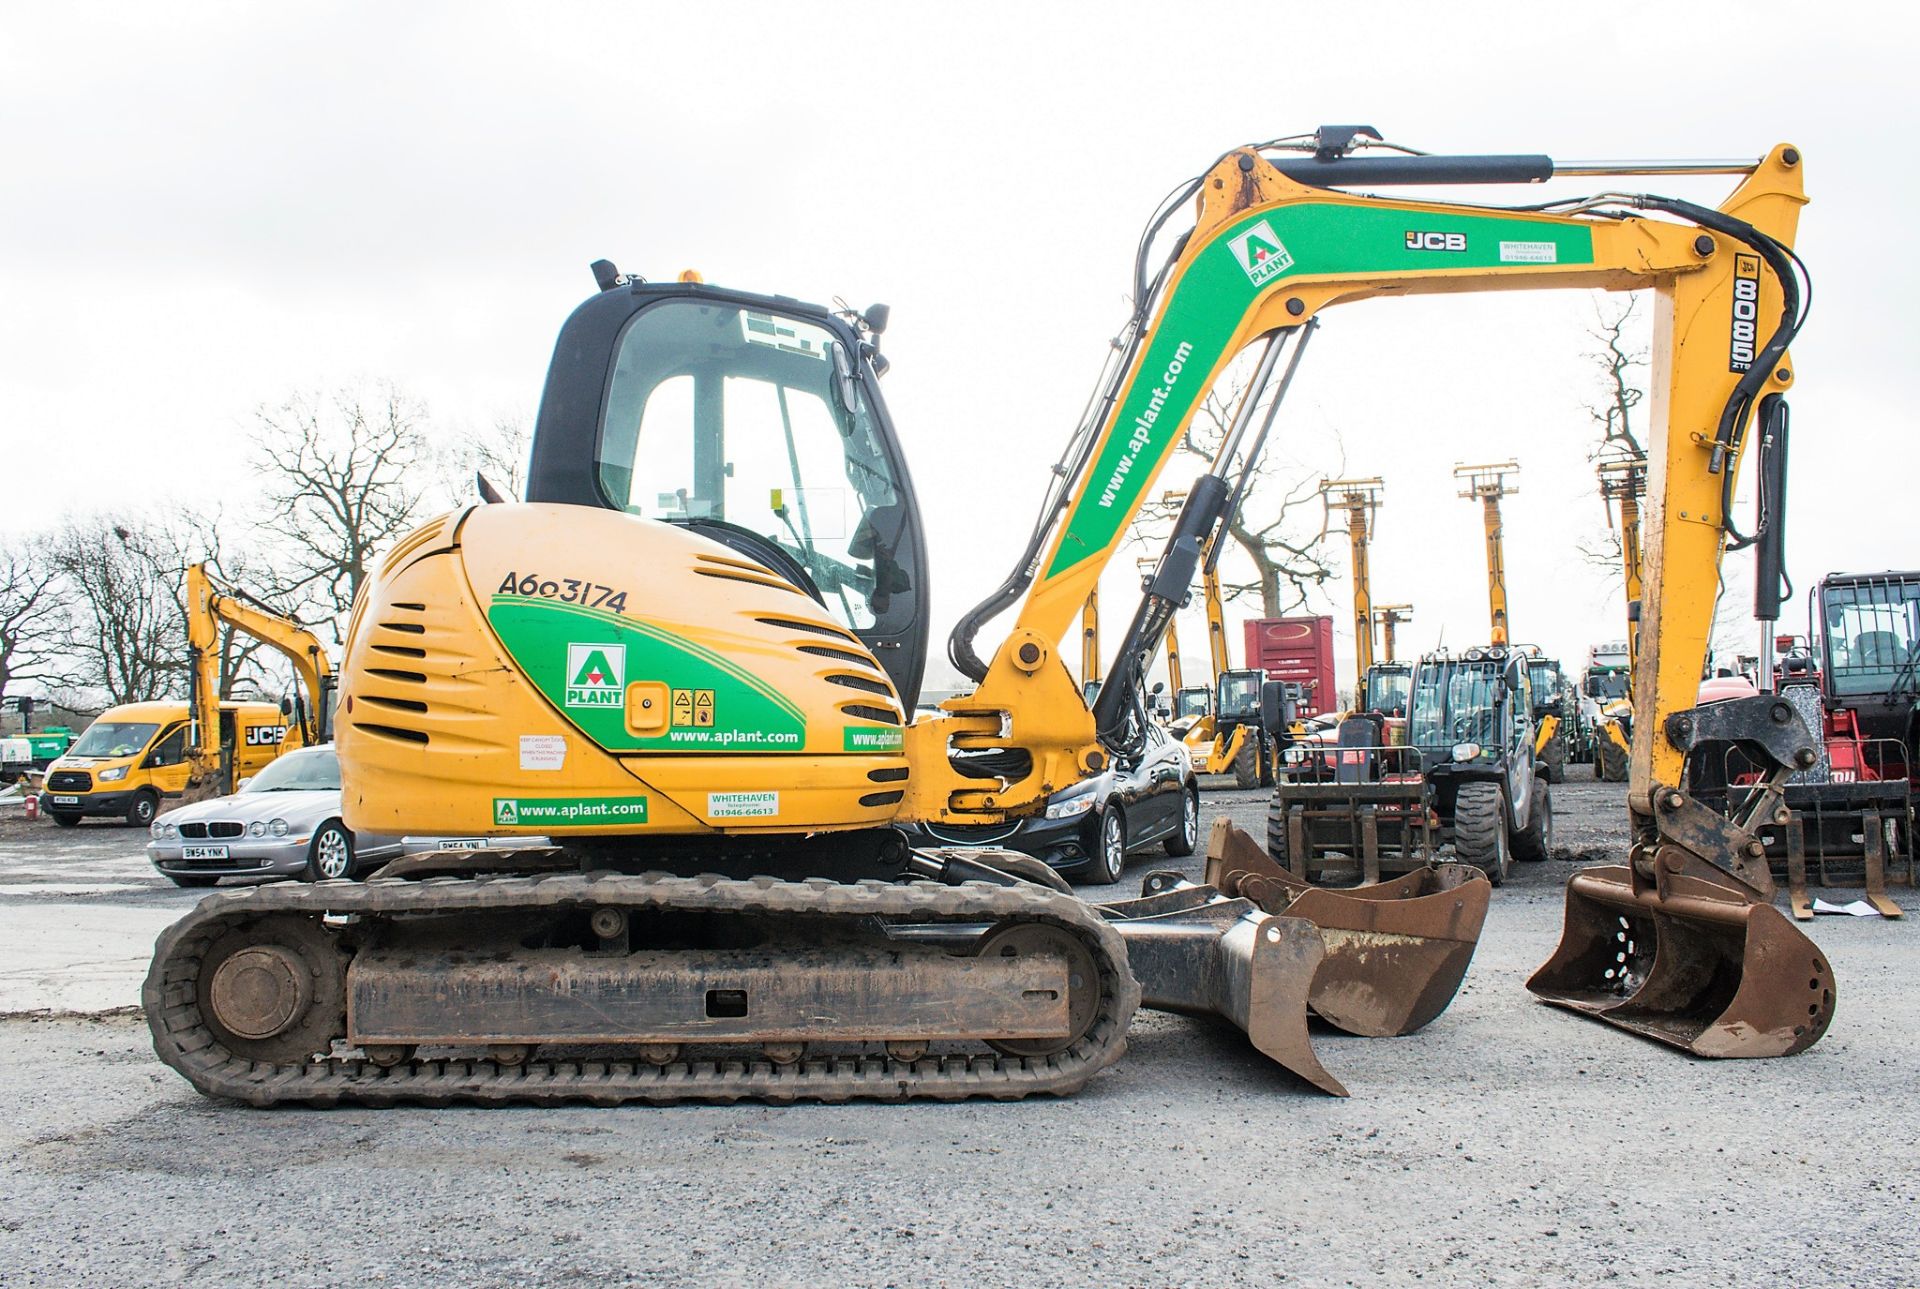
(1268, 254)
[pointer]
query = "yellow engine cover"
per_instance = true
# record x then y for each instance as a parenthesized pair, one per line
(547, 669)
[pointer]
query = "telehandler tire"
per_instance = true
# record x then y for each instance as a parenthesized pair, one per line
(1609, 762)
(1246, 762)
(1535, 842)
(1553, 761)
(1480, 830)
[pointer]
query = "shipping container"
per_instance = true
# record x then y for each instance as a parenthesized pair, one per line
(1299, 650)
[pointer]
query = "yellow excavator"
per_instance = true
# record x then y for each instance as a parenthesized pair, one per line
(212, 604)
(690, 659)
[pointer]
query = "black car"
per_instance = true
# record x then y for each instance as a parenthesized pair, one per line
(1088, 830)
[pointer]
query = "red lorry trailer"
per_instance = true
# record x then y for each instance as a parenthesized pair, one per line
(1299, 651)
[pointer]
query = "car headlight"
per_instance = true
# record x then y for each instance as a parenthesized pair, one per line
(162, 830)
(256, 829)
(278, 827)
(1070, 807)
(1466, 751)
(113, 774)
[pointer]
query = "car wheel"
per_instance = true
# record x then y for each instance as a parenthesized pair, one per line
(1110, 852)
(1182, 843)
(192, 881)
(64, 819)
(1480, 830)
(142, 809)
(330, 857)
(1535, 841)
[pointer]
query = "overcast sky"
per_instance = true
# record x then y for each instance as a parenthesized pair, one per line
(208, 207)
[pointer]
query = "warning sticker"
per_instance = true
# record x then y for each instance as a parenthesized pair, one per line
(693, 707)
(543, 751)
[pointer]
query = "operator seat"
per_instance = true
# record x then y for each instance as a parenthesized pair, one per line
(1878, 649)
(1359, 738)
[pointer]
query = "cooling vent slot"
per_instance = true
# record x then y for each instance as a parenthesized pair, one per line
(393, 732)
(861, 711)
(410, 546)
(889, 773)
(417, 608)
(404, 677)
(408, 628)
(395, 704)
(399, 651)
(838, 655)
(881, 798)
(862, 684)
(817, 628)
(755, 578)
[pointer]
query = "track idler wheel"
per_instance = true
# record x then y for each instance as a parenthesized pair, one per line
(1083, 981)
(275, 990)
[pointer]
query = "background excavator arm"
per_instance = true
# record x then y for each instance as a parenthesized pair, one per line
(211, 604)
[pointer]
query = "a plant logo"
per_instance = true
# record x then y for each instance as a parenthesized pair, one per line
(505, 811)
(1260, 253)
(596, 675)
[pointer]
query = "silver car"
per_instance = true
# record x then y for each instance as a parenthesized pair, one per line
(285, 821)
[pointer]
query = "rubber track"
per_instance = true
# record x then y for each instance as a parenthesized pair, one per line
(183, 1040)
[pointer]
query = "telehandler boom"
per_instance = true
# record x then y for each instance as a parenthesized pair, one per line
(671, 666)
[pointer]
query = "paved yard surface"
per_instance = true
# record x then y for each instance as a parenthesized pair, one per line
(1508, 1143)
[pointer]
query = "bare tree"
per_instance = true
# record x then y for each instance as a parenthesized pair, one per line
(341, 476)
(1618, 358)
(1290, 559)
(499, 452)
(125, 624)
(32, 621)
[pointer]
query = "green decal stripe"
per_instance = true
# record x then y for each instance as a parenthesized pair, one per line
(1213, 297)
(741, 713)
(665, 637)
(569, 812)
(873, 738)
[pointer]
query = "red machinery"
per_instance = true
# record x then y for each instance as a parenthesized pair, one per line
(1300, 652)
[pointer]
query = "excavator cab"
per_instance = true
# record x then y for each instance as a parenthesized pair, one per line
(756, 421)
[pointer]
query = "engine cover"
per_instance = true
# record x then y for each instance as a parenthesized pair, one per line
(558, 670)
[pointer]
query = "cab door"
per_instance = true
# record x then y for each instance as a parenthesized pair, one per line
(165, 764)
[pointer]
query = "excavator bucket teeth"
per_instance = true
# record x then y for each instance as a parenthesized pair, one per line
(1198, 953)
(1694, 966)
(1396, 950)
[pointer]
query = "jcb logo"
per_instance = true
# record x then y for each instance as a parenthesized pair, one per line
(266, 735)
(1436, 241)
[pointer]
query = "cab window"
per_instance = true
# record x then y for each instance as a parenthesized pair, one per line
(721, 414)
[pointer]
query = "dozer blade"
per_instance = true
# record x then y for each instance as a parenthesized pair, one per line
(1396, 950)
(1199, 953)
(1695, 962)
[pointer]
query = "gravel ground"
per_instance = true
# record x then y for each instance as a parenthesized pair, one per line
(1508, 1144)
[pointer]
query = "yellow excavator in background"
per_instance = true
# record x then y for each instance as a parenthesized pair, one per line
(211, 604)
(690, 657)
(1623, 482)
(1229, 737)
